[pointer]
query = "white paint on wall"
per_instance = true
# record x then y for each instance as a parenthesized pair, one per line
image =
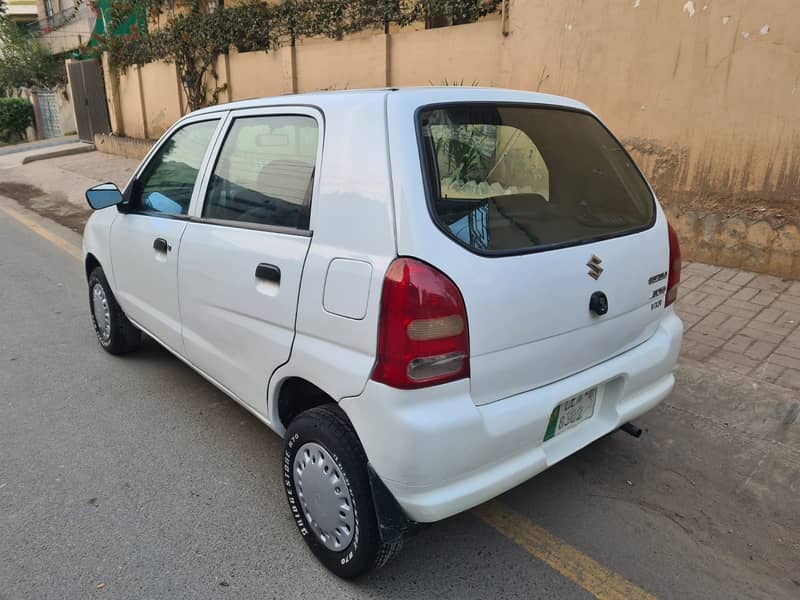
(726, 20)
(637, 3)
(746, 35)
(764, 30)
(568, 27)
(689, 9)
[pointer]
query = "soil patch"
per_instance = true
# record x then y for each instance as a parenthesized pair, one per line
(53, 206)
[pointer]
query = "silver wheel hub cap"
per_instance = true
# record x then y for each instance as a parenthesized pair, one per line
(324, 496)
(101, 314)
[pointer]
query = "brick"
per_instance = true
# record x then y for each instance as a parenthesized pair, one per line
(746, 293)
(704, 338)
(760, 334)
(724, 275)
(760, 350)
(730, 327)
(743, 278)
(794, 337)
(768, 315)
(719, 288)
(768, 282)
(688, 319)
(786, 305)
(712, 302)
(768, 372)
(764, 298)
(739, 309)
(695, 310)
(734, 361)
(784, 361)
(697, 350)
(794, 289)
(695, 297)
(738, 343)
(790, 378)
(712, 321)
(789, 349)
(692, 282)
(702, 269)
(771, 328)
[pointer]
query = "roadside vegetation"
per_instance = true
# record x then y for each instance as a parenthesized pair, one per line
(192, 36)
(24, 60)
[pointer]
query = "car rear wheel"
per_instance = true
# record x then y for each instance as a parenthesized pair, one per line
(327, 486)
(116, 334)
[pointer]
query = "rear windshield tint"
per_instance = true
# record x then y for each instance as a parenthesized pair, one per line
(515, 178)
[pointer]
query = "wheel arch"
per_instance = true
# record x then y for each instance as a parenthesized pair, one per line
(90, 263)
(293, 396)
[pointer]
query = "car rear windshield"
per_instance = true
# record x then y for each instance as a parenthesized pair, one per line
(519, 178)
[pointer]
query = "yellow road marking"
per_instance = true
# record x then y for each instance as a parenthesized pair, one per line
(68, 247)
(570, 562)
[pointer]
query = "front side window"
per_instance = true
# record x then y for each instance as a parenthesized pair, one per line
(513, 178)
(166, 183)
(265, 172)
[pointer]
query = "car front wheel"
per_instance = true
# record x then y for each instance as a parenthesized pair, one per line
(116, 334)
(327, 485)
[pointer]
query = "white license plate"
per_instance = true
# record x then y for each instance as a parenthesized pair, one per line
(571, 412)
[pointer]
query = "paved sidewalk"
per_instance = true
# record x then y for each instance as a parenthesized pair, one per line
(743, 321)
(38, 145)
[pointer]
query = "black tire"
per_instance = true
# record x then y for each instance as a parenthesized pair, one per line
(123, 336)
(329, 427)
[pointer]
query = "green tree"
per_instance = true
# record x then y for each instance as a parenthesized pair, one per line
(24, 61)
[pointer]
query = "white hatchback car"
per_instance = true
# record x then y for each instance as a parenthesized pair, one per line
(431, 294)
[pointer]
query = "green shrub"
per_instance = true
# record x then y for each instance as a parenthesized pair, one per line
(16, 115)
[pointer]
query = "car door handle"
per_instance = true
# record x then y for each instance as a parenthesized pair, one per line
(268, 272)
(161, 245)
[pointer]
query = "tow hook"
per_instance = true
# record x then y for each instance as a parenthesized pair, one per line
(631, 429)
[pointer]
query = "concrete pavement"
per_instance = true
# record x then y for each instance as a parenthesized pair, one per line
(134, 478)
(55, 187)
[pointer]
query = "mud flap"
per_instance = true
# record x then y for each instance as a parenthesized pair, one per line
(393, 524)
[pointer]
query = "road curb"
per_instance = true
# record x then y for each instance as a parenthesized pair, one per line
(85, 147)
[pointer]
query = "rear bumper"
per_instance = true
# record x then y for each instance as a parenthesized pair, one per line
(440, 454)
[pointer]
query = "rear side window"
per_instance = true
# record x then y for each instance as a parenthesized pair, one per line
(514, 178)
(265, 172)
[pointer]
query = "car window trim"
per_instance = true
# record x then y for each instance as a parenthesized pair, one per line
(287, 110)
(177, 126)
(429, 191)
(254, 226)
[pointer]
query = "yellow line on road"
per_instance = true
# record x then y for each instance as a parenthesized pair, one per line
(68, 247)
(570, 562)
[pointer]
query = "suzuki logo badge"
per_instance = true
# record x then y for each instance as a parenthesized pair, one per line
(595, 270)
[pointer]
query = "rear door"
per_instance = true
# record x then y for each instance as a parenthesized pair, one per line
(538, 209)
(243, 251)
(146, 237)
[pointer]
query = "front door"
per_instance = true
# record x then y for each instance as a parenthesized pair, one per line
(242, 256)
(145, 238)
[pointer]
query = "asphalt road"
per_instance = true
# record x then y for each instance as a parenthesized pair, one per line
(134, 478)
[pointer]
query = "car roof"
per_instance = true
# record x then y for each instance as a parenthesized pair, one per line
(419, 95)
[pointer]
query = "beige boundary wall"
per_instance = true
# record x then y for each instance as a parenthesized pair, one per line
(705, 93)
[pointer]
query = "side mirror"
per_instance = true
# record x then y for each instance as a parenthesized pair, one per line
(103, 196)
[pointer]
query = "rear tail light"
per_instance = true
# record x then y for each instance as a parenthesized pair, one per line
(674, 277)
(423, 337)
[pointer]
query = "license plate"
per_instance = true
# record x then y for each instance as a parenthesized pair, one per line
(571, 412)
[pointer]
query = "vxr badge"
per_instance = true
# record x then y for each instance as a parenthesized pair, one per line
(595, 270)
